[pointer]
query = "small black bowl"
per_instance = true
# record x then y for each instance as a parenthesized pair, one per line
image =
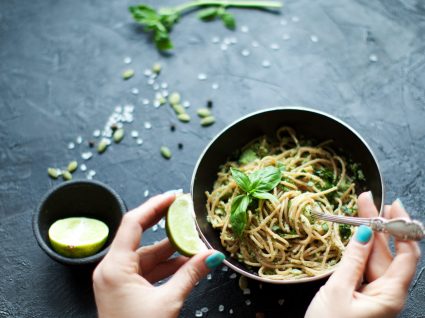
(309, 123)
(91, 199)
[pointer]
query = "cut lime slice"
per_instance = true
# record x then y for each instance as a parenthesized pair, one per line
(78, 237)
(180, 226)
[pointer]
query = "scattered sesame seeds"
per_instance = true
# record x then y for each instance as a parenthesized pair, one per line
(198, 313)
(223, 46)
(83, 167)
(224, 268)
(231, 311)
(134, 133)
(90, 174)
(154, 228)
(164, 93)
(215, 39)
(233, 40)
(233, 276)
(314, 38)
(71, 145)
(164, 85)
(255, 44)
(147, 72)
(244, 29)
(295, 19)
(204, 309)
(118, 109)
(127, 60)
(286, 37)
(146, 193)
(186, 104)
(246, 291)
(248, 302)
(156, 103)
(373, 58)
(134, 91)
(145, 101)
(274, 46)
(139, 141)
(227, 41)
(281, 301)
(155, 86)
(215, 86)
(245, 52)
(283, 22)
(220, 308)
(86, 155)
(202, 76)
(79, 140)
(151, 81)
(209, 276)
(148, 125)
(266, 63)
(96, 133)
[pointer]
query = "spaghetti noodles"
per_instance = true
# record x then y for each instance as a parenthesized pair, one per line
(282, 240)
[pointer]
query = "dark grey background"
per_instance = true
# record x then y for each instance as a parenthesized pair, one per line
(60, 66)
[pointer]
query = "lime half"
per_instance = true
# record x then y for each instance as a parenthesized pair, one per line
(180, 226)
(78, 237)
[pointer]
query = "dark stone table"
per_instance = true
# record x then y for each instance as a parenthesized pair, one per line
(60, 78)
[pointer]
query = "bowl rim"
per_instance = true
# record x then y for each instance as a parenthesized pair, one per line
(271, 109)
(45, 246)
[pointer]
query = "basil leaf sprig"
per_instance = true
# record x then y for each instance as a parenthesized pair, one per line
(160, 22)
(256, 185)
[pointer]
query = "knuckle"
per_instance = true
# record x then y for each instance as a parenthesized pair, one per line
(104, 275)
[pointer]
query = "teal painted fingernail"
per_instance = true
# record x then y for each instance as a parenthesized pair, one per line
(214, 260)
(400, 203)
(363, 234)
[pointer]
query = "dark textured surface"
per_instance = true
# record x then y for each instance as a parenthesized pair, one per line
(60, 77)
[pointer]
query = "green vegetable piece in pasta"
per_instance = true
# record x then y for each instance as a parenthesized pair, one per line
(238, 217)
(247, 156)
(344, 231)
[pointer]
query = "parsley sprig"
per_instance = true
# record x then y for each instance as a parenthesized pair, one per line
(256, 185)
(160, 22)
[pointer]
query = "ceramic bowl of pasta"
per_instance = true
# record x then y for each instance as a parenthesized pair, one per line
(257, 181)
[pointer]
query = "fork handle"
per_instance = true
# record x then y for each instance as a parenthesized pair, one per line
(402, 229)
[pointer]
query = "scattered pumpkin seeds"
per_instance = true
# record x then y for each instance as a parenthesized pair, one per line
(165, 152)
(53, 173)
(66, 175)
(178, 108)
(72, 166)
(174, 98)
(118, 135)
(156, 68)
(203, 112)
(243, 282)
(101, 147)
(185, 118)
(127, 74)
(207, 121)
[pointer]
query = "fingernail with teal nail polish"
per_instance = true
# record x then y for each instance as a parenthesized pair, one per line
(178, 191)
(363, 234)
(400, 203)
(214, 260)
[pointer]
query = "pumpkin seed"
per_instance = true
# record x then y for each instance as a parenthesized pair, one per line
(185, 118)
(118, 135)
(207, 121)
(66, 175)
(179, 109)
(203, 112)
(156, 68)
(72, 166)
(127, 74)
(101, 147)
(174, 98)
(53, 173)
(165, 152)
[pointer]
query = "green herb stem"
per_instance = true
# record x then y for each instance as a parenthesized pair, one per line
(229, 3)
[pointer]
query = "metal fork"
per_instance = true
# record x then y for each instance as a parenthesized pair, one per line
(401, 228)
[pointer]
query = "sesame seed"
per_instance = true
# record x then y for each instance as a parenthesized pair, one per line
(127, 60)
(96, 133)
(71, 145)
(248, 302)
(145, 101)
(79, 140)
(244, 29)
(202, 76)
(215, 39)
(295, 19)
(281, 301)
(274, 46)
(286, 36)
(373, 58)
(135, 91)
(266, 63)
(215, 86)
(86, 155)
(283, 22)
(139, 141)
(314, 38)
(83, 167)
(255, 44)
(134, 133)
(148, 125)
(245, 52)
(220, 308)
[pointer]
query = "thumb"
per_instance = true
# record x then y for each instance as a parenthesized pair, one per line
(193, 271)
(350, 270)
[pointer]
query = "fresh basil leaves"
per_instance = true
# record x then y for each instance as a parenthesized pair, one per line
(256, 185)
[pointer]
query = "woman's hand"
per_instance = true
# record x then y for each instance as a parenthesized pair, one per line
(368, 257)
(122, 282)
